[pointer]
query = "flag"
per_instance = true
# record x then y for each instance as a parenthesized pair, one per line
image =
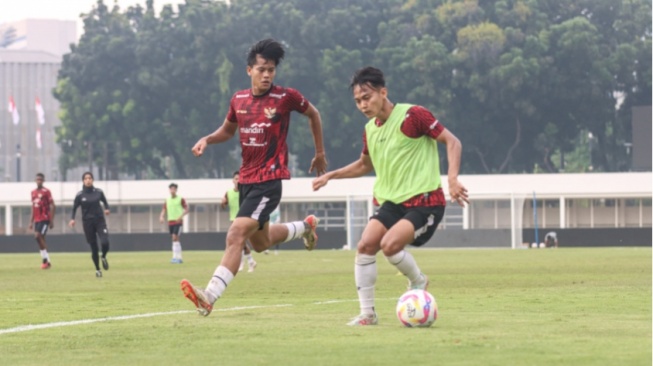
(40, 113)
(13, 110)
(39, 145)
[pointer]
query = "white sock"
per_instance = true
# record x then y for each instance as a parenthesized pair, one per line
(406, 264)
(218, 283)
(365, 276)
(250, 259)
(295, 230)
(44, 254)
(176, 250)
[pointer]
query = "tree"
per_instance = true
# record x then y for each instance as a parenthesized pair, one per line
(522, 82)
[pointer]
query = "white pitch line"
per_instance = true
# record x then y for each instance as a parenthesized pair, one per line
(350, 300)
(25, 328)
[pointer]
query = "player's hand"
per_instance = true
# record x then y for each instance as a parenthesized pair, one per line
(107, 212)
(71, 223)
(51, 225)
(31, 225)
(320, 182)
(319, 164)
(161, 219)
(199, 147)
(458, 192)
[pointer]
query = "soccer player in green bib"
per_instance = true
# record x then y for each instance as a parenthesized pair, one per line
(231, 199)
(400, 145)
(174, 208)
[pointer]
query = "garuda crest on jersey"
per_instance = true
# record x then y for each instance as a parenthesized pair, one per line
(271, 114)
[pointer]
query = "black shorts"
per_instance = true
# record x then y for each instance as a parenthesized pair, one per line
(94, 228)
(174, 229)
(41, 227)
(258, 200)
(424, 219)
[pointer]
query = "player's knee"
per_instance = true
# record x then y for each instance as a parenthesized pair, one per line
(260, 244)
(259, 248)
(175, 237)
(235, 238)
(367, 247)
(391, 247)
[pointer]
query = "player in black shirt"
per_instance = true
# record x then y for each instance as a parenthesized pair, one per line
(93, 220)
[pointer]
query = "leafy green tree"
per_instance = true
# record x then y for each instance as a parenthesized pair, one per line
(521, 82)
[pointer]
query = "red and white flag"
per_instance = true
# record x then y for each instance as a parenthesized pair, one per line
(40, 113)
(13, 110)
(39, 144)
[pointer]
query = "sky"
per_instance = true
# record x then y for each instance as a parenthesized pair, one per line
(12, 10)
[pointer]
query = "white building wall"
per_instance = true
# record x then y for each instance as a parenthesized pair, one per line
(27, 75)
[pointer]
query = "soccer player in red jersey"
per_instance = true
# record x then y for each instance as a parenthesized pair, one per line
(42, 219)
(261, 116)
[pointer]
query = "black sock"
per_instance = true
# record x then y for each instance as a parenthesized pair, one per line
(105, 250)
(96, 256)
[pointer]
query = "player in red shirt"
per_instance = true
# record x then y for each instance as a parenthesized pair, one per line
(43, 209)
(261, 116)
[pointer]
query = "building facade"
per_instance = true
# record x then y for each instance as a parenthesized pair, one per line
(30, 60)
(497, 202)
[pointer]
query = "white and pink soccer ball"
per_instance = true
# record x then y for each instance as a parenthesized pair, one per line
(417, 308)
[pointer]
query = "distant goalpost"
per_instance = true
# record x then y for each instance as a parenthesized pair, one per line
(517, 202)
(357, 214)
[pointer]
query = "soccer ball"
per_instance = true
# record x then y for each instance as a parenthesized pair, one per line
(417, 308)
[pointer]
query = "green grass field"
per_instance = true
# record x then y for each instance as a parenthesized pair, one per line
(497, 307)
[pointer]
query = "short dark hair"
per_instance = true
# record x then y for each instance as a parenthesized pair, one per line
(368, 75)
(237, 172)
(87, 173)
(173, 185)
(40, 175)
(269, 49)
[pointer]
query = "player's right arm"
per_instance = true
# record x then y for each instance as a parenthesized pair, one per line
(31, 219)
(163, 212)
(222, 134)
(225, 201)
(76, 204)
(356, 169)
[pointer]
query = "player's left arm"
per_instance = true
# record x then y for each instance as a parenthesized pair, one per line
(319, 162)
(185, 206)
(53, 210)
(457, 191)
(103, 199)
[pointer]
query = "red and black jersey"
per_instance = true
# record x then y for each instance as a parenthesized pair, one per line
(41, 200)
(419, 122)
(263, 122)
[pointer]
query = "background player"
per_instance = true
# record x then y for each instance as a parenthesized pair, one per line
(43, 210)
(176, 208)
(93, 220)
(261, 115)
(551, 239)
(231, 199)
